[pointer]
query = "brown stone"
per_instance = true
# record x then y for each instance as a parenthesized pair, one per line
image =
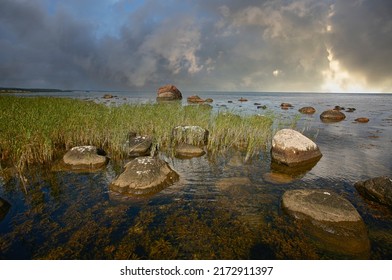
(307, 110)
(332, 116)
(242, 99)
(195, 99)
(169, 92)
(286, 106)
(362, 120)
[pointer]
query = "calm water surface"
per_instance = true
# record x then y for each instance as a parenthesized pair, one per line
(222, 208)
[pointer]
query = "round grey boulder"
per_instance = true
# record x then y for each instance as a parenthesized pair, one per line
(292, 148)
(144, 176)
(378, 189)
(85, 157)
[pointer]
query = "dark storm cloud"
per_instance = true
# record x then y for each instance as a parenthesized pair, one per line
(222, 44)
(362, 39)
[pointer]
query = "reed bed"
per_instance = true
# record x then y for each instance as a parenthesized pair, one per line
(38, 129)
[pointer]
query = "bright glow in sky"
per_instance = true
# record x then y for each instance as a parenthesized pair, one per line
(249, 45)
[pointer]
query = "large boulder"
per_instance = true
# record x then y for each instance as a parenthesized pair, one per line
(85, 158)
(332, 116)
(144, 176)
(169, 92)
(292, 148)
(190, 134)
(331, 220)
(378, 189)
(4, 208)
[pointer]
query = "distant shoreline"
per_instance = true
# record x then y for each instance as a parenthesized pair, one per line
(29, 90)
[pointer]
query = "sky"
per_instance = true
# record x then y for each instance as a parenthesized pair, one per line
(223, 45)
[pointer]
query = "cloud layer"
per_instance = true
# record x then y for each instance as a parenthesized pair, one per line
(280, 45)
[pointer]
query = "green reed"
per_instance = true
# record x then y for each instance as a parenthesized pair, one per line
(37, 130)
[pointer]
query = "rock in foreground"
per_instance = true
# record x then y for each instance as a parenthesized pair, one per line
(377, 189)
(323, 206)
(332, 221)
(169, 92)
(144, 176)
(292, 148)
(85, 158)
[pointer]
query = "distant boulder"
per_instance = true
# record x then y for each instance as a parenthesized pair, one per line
(307, 110)
(293, 148)
(108, 96)
(285, 106)
(144, 176)
(169, 92)
(242, 99)
(332, 116)
(195, 99)
(362, 120)
(85, 158)
(378, 189)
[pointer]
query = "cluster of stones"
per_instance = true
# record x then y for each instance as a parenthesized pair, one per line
(144, 174)
(328, 116)
(329, 218)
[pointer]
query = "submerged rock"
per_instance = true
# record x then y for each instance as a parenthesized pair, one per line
(144, 176)
(85, 158)
(292, 148)
(307, 110)
(184, 150)
(332, 116)
(169, 92)
(378, 189)
(332, 221)
(4, 208)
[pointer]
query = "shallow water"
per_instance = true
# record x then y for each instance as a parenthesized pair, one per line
(222, 208)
